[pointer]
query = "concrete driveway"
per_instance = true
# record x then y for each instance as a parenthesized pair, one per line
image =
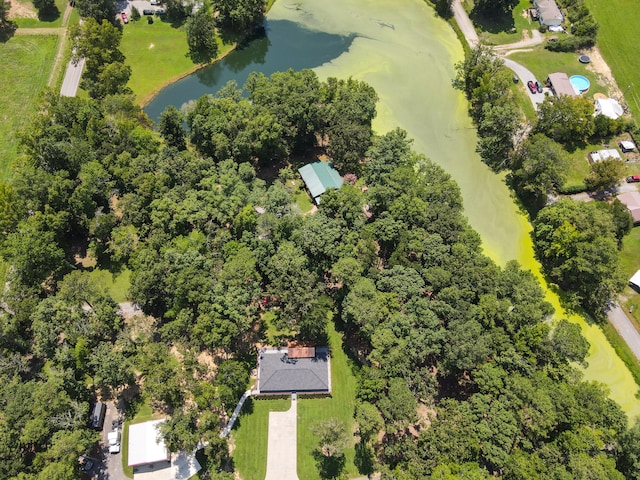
(625, 328)
(525, 75)
(281, 448)
(112, 461)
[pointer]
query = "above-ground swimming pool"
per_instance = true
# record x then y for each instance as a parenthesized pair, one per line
(579, 83)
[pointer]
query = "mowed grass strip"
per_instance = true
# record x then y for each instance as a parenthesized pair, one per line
(618, 41)
(50, 21)
(26, 64)
(316, 410)
(157, 54)
(251, 436)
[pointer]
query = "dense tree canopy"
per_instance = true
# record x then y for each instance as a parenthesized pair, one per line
(461, 370)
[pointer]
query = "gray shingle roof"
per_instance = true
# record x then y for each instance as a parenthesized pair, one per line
(278, 373)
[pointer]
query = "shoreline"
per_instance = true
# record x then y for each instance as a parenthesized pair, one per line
(154, 93)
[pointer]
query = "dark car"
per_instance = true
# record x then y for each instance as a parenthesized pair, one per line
(633, 179)
(160, 11)
(515, 79)
(539, 87)
(87, 466)
(146, 11)
(532, 86)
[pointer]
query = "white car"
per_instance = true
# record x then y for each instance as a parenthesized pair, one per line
(155, 2)
(114, 441)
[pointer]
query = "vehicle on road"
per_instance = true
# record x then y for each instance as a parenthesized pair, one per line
(146, 11)
(633, 178)
(125, 19)
(532, 86)
(515, 79)
(114, 441)
(539, 87)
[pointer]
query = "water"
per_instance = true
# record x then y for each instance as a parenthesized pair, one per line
(407, 54)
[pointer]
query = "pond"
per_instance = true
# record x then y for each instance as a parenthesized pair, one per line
(407, 54)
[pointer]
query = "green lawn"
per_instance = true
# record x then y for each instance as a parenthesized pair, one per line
(250, 438)
(157, 54)
(52, 21)
(26, 64)
(542, 62)
(116, 283)
(618, 39)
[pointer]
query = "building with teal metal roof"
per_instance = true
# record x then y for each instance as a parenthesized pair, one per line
(320, 177)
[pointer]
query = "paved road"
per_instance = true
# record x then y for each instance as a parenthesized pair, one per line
(525, 76)
(625, 328)
(71, 80)
(112, 469)
(281, 448)
(464, 23)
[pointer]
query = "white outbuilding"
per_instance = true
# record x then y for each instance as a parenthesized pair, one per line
(146, 446)
(609, 107)
(635, 280)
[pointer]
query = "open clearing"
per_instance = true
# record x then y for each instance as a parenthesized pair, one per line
(618, 39)
(26, 63)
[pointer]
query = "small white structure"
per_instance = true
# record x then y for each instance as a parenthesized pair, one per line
(146, 446)
(635, 280)
(608, 107)
(600, 155)
(548, 12)
(627, 146)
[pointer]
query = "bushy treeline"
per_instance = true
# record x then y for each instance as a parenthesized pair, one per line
(583, 30)
(460, 372)
(536, 157)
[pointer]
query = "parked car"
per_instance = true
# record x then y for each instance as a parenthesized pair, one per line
(532, 86)
(114, 441)
(155, 2)
(124, 18)
(160, 11)
(87, 466)
(633, 178)
(515, 79)
(539, 87)
(146, 11)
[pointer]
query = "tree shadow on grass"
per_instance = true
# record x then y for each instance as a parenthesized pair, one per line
(364, 459)
(49, 14)
(496, 22)
(7, 30)
(330, 467)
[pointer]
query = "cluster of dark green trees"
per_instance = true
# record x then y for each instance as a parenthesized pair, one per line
(537, 160)
(460, 373)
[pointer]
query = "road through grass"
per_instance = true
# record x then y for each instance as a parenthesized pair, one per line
(26, 63)
(618, 41)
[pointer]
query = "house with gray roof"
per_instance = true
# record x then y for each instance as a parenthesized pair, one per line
(320, 177)
(283, 371)
(548, 12)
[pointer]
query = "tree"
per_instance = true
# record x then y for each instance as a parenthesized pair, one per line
(569, 342)
(489, 7)
(629, 458)
(240, 16)
(577, 245)
(112, 80)
(201, 36)
(171, 129)
(46, 8)
(496, 129)
(329, 452)
(98, 10)
(135, 14)
(180, 431)
(605, 174)
(538, 169)
(565, 119)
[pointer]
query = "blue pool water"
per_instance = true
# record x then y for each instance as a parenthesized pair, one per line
(580, 83)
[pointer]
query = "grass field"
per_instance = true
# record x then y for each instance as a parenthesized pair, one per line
(45, 22)
(157, 54)
(26, 64)
(250, 438)
(116, 283)
(618, 39)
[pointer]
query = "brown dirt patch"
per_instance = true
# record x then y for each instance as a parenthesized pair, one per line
(22, 10)
(603, 72)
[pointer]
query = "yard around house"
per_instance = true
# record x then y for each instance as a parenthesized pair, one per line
(251, 436)
(499, 31)
(157, 55)
(26, 65)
